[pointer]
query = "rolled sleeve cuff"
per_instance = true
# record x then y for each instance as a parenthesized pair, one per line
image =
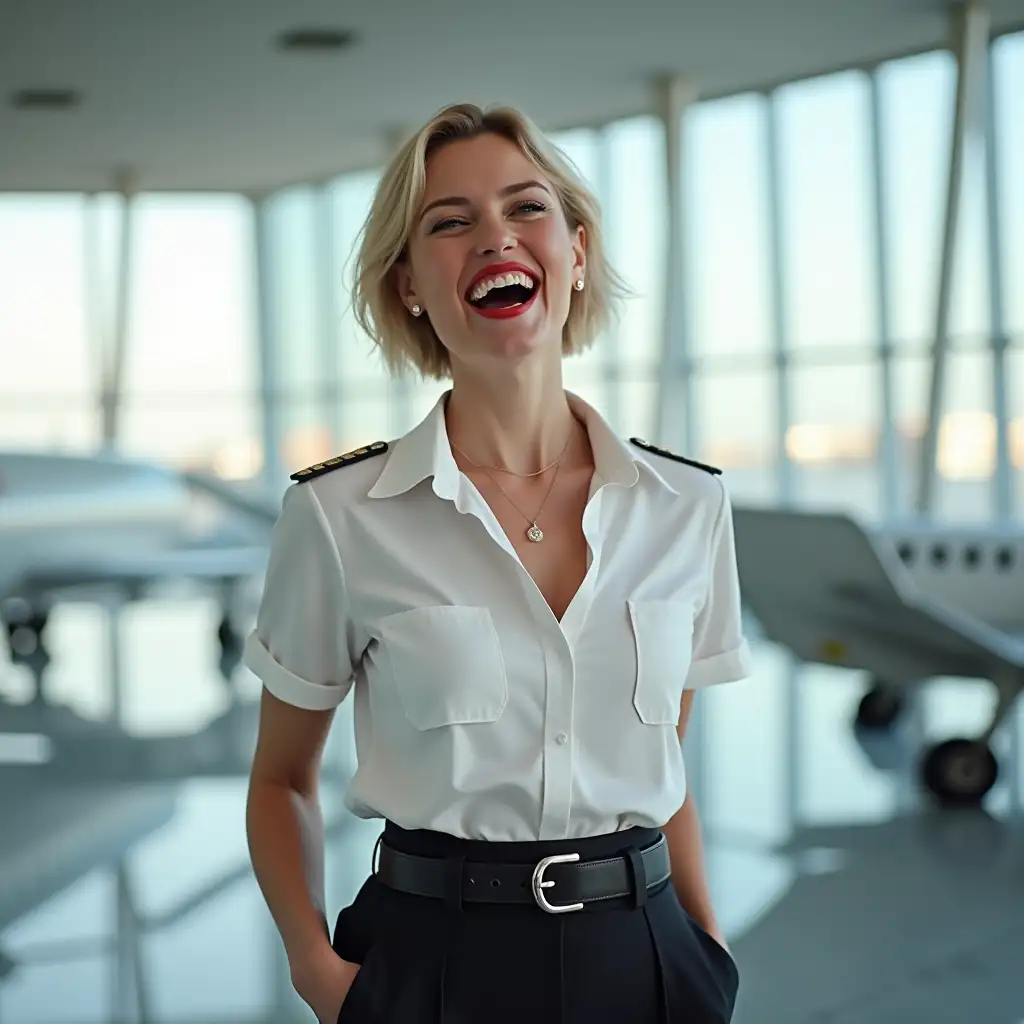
(728, 667)
(287, 686)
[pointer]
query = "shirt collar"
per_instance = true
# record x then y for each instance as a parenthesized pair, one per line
(425, 452)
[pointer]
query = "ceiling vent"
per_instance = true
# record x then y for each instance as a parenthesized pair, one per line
(46, 99)
(315, 40)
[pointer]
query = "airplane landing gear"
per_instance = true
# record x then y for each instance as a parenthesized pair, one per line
(231, 645)
(960, 772)
(879, 708)
(26, 630)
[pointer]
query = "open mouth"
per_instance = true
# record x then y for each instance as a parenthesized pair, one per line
(503, 294)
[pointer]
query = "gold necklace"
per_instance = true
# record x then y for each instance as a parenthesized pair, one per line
(504, 469)
(533, 532)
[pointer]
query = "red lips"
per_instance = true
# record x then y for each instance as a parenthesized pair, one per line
(501, 268)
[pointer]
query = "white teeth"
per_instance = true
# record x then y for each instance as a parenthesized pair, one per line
(500, 281)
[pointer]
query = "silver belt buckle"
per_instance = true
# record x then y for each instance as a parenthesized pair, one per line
(540, 883)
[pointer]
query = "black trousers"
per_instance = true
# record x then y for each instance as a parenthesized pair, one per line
(635, 960)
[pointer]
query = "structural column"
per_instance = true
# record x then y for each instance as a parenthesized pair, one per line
(612, 369)
(266, 333)
(887, 441)
(675, 421)
(970, 30)
(674, 425)
(111, 347)
(327, 285)
(1000, 341)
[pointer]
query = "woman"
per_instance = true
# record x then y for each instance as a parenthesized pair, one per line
(522, 606)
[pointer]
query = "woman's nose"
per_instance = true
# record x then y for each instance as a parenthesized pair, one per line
(494, 236)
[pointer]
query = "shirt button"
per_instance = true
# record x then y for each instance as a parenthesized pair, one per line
(561, 739)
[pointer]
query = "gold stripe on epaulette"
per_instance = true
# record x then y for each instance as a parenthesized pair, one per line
(347, 459)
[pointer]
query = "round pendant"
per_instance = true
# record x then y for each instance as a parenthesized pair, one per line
(535, 533)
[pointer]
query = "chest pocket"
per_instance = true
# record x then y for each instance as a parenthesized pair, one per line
(663, 634)
(446, 664)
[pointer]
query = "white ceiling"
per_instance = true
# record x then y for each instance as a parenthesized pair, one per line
(191, 94)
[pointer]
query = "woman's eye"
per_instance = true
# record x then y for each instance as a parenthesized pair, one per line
(446, 223)
(526, 206)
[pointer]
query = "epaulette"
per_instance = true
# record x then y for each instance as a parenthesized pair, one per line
(648, 447)
(357, 455)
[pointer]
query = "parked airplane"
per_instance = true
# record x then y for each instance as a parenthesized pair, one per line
(96, 527)
(905, 604)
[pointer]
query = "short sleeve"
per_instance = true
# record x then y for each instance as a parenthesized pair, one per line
(300, 647)
(720, 652)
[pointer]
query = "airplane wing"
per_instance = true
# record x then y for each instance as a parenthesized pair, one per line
(69, 523)
(821, 585)
(199, 564)
(61, 834)
(55, 508)
(257, 507)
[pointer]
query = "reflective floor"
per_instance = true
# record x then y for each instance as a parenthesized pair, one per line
(845, 898)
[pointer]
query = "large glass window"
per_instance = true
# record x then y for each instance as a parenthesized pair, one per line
(917, 107)
(726, 221)
(737, 428)
(49, 377)
(357, 358)
(1008, 74)
(728, 290)
(300, 365)
(833, 438)
(1015, 380)
(966, 440)
(191, 365)
(585, 373)
(826, 213)
(635, 214)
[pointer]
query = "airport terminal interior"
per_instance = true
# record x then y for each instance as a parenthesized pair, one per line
(819, 209)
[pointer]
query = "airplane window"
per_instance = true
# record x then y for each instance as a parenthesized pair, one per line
(939, 555)
(972, 556)
(906, 552)
(1005, 558)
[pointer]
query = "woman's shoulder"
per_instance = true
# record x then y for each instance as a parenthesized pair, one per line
(329, 487)
(688, 477)
(666, 453)
(319, 469)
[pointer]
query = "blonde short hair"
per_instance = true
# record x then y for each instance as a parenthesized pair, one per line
(404, 340)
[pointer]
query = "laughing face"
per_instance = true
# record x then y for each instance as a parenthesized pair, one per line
(491, 258)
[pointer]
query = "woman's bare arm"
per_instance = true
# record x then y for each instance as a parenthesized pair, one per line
(284, 825)
(686, 849)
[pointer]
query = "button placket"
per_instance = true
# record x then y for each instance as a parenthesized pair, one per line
(557, 764)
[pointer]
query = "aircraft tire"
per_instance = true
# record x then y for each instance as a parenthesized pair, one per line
(879, 708)
(959, 772)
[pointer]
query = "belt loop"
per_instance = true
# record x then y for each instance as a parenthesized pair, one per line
(454, 865)
(639, 877)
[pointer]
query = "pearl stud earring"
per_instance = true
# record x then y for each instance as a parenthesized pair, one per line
(579, 285)
(417, 309)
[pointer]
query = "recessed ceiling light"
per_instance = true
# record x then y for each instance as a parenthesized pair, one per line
(315, 40)
(46, 99)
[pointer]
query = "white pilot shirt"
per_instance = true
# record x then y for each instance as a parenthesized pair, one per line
(477, 712)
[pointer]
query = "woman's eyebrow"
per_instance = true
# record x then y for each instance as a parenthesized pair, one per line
(508, 190)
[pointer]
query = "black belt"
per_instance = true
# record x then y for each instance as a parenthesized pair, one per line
(569, 883)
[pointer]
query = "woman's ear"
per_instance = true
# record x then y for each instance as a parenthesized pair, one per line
(406, 286)
(579, 250)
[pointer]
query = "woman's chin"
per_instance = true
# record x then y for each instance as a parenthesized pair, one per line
(512, 348)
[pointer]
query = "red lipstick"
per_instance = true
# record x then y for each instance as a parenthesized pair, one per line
(509, 311)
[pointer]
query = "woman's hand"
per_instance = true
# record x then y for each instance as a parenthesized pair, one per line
(326, 985)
